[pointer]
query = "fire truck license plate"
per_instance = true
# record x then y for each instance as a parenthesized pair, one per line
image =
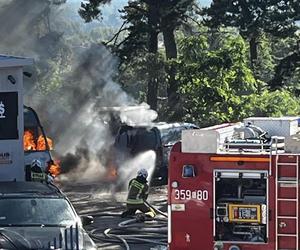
(183, 194)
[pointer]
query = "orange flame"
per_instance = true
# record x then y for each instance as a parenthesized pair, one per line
(41, 143)
(54, 168)
(29, 142)
(111, 173)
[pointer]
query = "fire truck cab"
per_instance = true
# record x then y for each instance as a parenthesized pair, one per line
(236, 187)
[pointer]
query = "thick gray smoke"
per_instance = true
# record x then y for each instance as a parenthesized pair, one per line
(75, 105)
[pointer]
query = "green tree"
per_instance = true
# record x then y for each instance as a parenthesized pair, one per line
(271, 104)
(141, 25)
(251, 18)
(173, 14)
(218, 86)
(143, 21)
(288, 52)
(28, 30)
(213, 82)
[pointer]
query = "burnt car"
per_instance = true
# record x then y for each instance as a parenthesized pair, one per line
(37, 146)
(159, 137)
(35, 215)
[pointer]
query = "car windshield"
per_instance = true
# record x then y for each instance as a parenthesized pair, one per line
(170, 135)
(138, 140)
(35, 211)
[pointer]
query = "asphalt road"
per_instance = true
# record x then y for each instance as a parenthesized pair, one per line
(99, 200)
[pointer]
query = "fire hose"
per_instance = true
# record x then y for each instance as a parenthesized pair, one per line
(137, 230)
(156, 210)
(133, 232)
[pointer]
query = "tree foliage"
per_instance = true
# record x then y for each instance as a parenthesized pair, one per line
(211, 72)
(271, 104)
(218, 85)
(91, 10)
(251, 18)
(28, 30)
(144, 20)
(276, 17)
(288, 63)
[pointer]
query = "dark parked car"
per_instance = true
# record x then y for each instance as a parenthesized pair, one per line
(159, 137)
(34, 215)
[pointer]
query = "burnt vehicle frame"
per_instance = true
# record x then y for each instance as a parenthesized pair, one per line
(33, 125)
(159, 137)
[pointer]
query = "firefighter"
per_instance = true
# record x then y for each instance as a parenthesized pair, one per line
(137, 195)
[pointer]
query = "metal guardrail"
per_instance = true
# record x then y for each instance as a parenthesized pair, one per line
(274, 144)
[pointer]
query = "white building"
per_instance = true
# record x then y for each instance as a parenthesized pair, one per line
(11, 117)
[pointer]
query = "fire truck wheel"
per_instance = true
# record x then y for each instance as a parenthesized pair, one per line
(234, 248)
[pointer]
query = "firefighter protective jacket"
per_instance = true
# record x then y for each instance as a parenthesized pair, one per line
(137, 191)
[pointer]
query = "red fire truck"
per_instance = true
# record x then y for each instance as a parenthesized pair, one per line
(236, 187)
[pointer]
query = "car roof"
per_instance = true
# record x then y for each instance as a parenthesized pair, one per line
(162, 125)
(26, 188)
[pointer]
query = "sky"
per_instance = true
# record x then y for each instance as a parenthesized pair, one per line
(111, 10)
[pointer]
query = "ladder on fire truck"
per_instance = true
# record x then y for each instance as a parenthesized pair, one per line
(287, 193)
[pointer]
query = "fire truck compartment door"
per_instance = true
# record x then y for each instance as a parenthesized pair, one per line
(240, 206)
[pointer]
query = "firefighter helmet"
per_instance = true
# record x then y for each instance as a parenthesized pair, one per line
(143, 173)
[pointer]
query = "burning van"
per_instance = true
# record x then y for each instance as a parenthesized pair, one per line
(37, 146)
(158, 137)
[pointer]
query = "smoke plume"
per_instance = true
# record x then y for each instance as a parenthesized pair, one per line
(72, 88)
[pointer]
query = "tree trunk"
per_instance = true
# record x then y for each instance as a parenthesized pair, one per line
(285, 69)
(171, 53)
(152, 91)
(253, 50)
(153, 47)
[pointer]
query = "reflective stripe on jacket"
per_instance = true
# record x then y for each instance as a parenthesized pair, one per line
(137, 192)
